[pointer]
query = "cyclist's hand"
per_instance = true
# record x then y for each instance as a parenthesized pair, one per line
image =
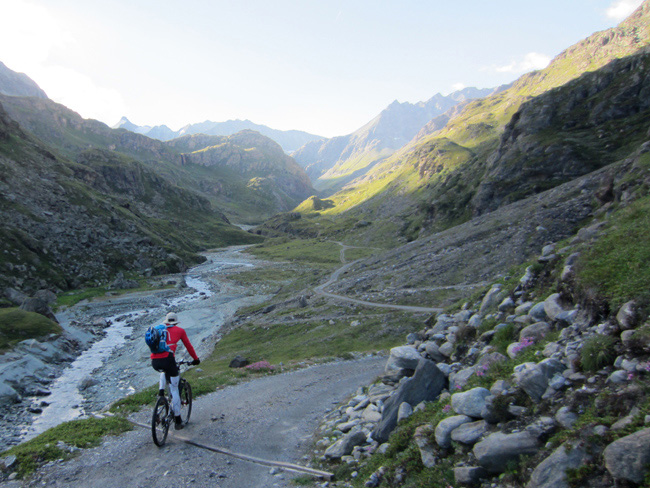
(195, 362)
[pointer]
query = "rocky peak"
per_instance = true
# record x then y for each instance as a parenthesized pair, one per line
(18, 84)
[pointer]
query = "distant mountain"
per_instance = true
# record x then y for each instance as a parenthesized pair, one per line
(331, 163)
(18, 84)
(289, 140)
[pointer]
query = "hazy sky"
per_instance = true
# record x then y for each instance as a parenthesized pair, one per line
(326, 66)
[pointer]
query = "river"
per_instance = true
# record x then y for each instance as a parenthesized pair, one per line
(118, 363)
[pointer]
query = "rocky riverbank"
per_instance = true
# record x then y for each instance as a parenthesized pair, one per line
(101, 355)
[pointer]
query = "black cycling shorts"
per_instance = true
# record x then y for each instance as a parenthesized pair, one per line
(166, 365)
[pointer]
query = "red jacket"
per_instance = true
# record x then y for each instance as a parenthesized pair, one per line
(175, 334)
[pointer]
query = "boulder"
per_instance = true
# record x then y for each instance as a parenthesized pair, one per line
(536, 331)
(15, 296)
(47, 296)
(524, 308)
(432, 350)
(538, 312)
(534, 378)
(459, 379)
(40, 306)
(498, 449)
(403, 357)
(507, 305)
(552, 306)
(7, 394)
(565, 417)
(470, 403)
(470, 433)
(404, 412)
(628, 457)
(421, 437)
(425, 385)
(469, 475)
(491, 300)
(627, 316)
(345, 445)
(446, 426)
(238, 362)
(551, 473)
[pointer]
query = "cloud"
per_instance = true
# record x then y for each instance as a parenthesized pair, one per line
(531, 62)
(620, 9)
(458, 86)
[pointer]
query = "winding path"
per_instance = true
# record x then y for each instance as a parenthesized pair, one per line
(320, 289)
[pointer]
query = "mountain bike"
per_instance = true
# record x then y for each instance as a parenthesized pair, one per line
(163, 415)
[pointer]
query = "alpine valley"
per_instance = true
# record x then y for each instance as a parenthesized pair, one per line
(492, 244)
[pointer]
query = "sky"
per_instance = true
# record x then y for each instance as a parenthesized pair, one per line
(322, 66)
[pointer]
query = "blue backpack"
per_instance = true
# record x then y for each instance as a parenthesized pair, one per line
(156, 339)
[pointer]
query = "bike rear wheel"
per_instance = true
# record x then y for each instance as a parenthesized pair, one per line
(185, 391)
(160, 421)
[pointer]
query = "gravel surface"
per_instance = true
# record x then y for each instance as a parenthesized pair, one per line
(272, 417)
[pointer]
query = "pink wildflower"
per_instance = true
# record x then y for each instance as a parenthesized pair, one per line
(259, 366)
(630, 376)
(446, 408)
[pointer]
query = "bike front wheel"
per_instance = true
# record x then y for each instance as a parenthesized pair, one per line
(185, 391)
(160, 421)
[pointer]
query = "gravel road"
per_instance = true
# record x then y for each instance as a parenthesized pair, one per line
(273, 418)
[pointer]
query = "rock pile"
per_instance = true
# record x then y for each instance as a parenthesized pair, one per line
(513, 380)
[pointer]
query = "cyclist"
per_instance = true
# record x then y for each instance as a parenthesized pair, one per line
(165, 362)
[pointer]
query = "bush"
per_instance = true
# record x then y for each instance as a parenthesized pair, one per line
(597, 352)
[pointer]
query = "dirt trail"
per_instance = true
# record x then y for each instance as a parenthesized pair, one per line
(273, 417)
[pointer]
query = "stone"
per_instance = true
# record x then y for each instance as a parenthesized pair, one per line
(47, 296)
(628, 457)
(524, 308)
(527, 279)
(551, 473)
(39, 306)
(404, 412)
(627, 316)
(412, 338)
(446, 426)
(447, 349)
(345, 445)
(421, 437)
(469, 475)
(7, 394)
(371, 414)
(459, 379)
(552, 306)
(470, 403)
(15, 296)
(536, 331)
(238, 362)
(8, 462)
(87, 382)
(490, 359)
(538, 312)
(470, 432)
(507, 305)
(532, 380)
(625, 421)
(475, 321)
(497, 450)
(617, 377)
(432, 350)
(491, 300)
(425, 385)
(403, 357)
(500, 387)
(542, 427)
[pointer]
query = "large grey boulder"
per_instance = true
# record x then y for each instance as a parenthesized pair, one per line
(403, 357)
(470, 433)
(469, 475)
(15, 296)
(627, 316)
(551, 473)
(553, 306)
(40, 306)
(537, 312)
(47, 296)
(446, 426)
(496, 450)
(534, 378)
(491, 300)
(7, 394)
(425, 385)
(432, 350)
(470, 403)
(346, 444)
(459, 379)
(628, 457)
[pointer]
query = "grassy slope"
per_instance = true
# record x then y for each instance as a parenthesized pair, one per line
(17, 325)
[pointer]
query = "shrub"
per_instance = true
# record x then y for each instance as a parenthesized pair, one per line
(597, 352)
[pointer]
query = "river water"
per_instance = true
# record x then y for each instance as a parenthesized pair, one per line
(117, 364)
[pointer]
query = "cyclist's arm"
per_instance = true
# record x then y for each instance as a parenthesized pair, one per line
(188, 345)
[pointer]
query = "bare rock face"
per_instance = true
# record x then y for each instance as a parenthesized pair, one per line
(551, 473)
(494, 452)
